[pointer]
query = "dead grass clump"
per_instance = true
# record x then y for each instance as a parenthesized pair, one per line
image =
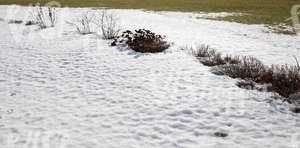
(29, 23)
(209, 57)
(249, 68)
(204, 51)
(285, 80)
(220, 134)
(15, 21)
(214, 60)
(232, 59)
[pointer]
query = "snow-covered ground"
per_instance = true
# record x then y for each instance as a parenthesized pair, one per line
(59, 87)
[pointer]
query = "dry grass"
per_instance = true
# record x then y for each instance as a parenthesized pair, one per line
(15, 21)
(270, 12)
(232, 59)
(209, 57)
(249, 68)
(204, 51)
(284, 80)
(29, 23)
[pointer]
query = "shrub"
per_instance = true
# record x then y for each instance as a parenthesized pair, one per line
(44, 16)
(108, 24)
(204, 51)
(286, 80)
(232, 59)
(249, 68)
(83, 27)
(144, 41)
(214, 60)
(83, 24)
(209, 57)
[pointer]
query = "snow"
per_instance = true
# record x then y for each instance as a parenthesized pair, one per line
(86, 94)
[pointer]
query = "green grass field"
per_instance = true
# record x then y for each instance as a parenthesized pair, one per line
(269, 12)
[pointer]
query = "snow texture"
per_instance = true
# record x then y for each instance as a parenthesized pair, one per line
(83, 93)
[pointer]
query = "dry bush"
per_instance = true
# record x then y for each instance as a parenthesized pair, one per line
(144, 41)
(44, 16)
(214, 60)
(204, 51)
(286, 80)
(84, 23)
(232, 59)
(209, 57)
(249, 68)
(108, 24)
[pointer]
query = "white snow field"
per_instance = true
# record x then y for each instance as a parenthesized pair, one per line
(60, 89)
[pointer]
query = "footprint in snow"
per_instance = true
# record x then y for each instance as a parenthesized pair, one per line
(10, 111)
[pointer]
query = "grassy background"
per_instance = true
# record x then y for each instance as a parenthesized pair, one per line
(270, 12)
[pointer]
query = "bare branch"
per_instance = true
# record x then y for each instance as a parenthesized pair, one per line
(44, 16)
(108, 24)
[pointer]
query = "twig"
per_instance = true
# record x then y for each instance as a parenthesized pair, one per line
(297, 62)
